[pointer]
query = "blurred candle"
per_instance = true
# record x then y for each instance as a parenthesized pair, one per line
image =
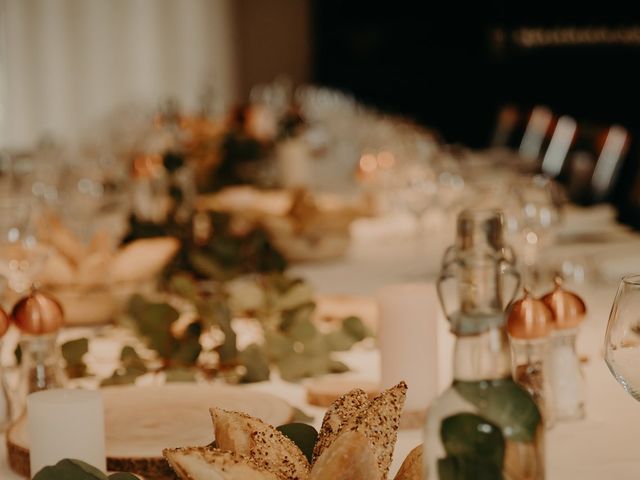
(408, 338)
(66, 424)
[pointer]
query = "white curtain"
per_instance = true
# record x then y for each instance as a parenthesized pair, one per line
(66, 63)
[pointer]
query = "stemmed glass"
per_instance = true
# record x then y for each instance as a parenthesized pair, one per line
(21, 258)
(536, 221)
(622, 340)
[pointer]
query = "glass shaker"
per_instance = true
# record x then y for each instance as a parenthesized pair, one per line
(39, 318)
(529, 324)
(5, 400)
(567, 381)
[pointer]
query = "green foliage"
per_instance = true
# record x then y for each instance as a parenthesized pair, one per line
(504, 403)
(469, 436)
(131, 367)
(303, 435)
(256, 363)
(69, 469)
(73, 353)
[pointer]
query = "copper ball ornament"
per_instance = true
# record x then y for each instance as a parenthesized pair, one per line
(568, 308)
(529, 318)
(5, 322)
(38, 314)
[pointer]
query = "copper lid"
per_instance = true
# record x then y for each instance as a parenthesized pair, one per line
(529, 318)
(5, 321)
(38, 314)
(567, 307)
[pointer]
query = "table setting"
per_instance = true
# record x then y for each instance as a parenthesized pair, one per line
(304, 288)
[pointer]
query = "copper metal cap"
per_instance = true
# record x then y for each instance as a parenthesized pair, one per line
(567, 307)
(5, 321)
(529, 318)
(38, 314)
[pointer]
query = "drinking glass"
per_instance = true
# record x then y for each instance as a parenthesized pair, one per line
(21, 258)
(622, 340)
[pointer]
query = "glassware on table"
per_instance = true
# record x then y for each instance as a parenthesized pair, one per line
(536, 221)
(21, 258)
(485, 425)
(622, 340)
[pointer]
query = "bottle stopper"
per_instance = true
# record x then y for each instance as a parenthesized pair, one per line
(38, 314)
(529, 318)
(567, 307)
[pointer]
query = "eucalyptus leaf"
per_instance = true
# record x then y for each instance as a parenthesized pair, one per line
(256, 362)
(504, 403)
(278, 345)
(472, 436)
(180, 375)
(131, 361)
(69, 469)
(184, 286)
(123, 476)
(356, 328)
(188, 348)
(300, 293)
(293, 367)
(464, 468)
(121, 377)
(74, 350)
(302, 329)
(303, 435)
(339, 340)
(336, 366)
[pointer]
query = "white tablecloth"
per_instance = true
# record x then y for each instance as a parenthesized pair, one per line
(604, 445)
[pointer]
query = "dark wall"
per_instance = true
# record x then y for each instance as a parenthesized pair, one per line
(452, 66)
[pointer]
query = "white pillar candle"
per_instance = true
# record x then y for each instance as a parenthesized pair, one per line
(65, 424)
(409, 321)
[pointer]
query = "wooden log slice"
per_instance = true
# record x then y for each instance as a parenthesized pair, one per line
(141, 421)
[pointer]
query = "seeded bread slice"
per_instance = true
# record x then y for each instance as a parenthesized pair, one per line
(340, 415)
(266, 446)
(412, 466)
(349, 457)
(380, 421)
(206, 463)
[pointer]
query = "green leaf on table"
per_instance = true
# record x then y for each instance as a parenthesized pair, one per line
(301, 313)
(472, 436)
(504, 403)
(153, 322)
(299, 293)
(464, 468)
(214, 312)
(188, 348)
(356, 328)
(185, 286)
(73, 352)
(278, 345)
(303, 435)
(120, 377)
(180, 375)
(256, 363)
(69, 469)
(131, 361)
(339, 340)
(336, 366)
(122, 476)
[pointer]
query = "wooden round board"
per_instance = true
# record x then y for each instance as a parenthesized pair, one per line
(141, 421)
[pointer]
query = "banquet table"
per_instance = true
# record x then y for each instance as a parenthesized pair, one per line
(604, 444)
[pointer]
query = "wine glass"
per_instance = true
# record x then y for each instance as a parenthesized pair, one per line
(21, 258)
(622, 340)
(537, 219)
